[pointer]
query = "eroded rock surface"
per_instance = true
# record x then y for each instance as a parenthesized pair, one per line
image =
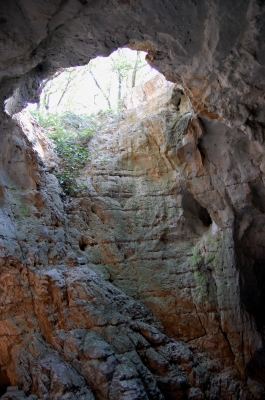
(71, 324)
(153, 284)
(151, 236)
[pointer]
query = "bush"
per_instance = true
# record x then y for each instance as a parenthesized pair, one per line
(71, 134)
(73, 157)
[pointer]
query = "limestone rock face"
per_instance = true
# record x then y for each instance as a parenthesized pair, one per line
(147, 232)
(151, 285)
(216, 51)
(71, 327)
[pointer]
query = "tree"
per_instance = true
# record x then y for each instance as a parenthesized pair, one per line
(92, 88)
(46, 88)
(136, 67)
(121, 67)
(71, 76)
(53, 85)
(106, 94)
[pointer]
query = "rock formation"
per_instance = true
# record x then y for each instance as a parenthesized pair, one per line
(152, 284)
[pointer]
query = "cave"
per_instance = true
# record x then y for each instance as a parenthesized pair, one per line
(150, 284)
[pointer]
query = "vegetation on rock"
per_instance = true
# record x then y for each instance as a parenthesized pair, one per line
(62, 114)
(71, 133)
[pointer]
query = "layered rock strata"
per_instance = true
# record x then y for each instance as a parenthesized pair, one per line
(148, 233)
(213, 173)
(73, 271)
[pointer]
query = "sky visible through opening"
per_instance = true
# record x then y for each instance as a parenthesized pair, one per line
(103, 84)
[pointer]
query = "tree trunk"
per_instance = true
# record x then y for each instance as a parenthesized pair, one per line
(100, 88)
(119, 88)
(43, 89)
(64, 91)
(135, 69)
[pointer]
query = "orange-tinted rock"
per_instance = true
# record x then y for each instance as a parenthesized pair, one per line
(175, 219)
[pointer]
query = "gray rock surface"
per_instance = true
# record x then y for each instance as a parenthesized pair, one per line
(186, 266)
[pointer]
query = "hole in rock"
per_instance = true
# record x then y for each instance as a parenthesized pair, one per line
(83, 244)
(100, 86)
(196, 215)
(4, 382)
(78, 102)
(81, 102)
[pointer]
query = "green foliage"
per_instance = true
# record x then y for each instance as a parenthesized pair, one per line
(24, 211)
(73, 157)
(213, 243)
(68, 124)
(196, 257)
(202, 285)
(104, 160)
(203, 263)
(71, 134)
(104, 82)
(120, 65)
(65, 90)
(46, 121)
(210, 258)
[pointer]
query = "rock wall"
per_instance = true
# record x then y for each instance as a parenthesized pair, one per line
(186, 256)
(73, 326)
(148, 233)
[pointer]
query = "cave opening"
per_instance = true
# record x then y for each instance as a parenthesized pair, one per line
(215, 50)
(99, 86)
(76, 103)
